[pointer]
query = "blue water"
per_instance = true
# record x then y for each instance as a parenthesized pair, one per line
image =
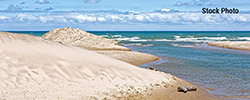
(185, 54)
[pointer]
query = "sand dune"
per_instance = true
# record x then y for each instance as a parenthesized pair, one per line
(107, 47)
(33, 68)
(83, 39)
(239, 45)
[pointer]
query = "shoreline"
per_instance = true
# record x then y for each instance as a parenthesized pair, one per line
(172, 94)
(237, 45)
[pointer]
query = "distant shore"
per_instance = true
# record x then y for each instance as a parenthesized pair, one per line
(238, 45)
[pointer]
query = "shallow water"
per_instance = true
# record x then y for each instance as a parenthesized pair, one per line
(185, 54)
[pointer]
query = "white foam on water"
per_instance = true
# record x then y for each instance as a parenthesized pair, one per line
(138, 44)
(213, 38)
(104, 35)
(244, 38)
(161, 40)
(186, 46)
(133, 39)
(116, 36)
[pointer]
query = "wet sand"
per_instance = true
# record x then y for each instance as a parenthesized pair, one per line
(238, 45)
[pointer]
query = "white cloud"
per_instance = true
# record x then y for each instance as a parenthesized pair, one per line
(127, 18)
(165, 10)
(42, 2)
(101, 19)
(52, 19)
(3, 17)
(178, 3)
(92, 1)
(25, 17)
(83, 18)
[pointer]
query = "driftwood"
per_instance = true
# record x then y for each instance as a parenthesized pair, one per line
(151, 68)
(185, 89)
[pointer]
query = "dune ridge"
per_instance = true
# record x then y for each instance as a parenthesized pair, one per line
(238, 45)
(34, 68)
(101, 45)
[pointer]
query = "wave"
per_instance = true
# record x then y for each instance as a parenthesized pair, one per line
(244, 38)
(105, 36)
(138, 45)
(186, 46)
(115, 36)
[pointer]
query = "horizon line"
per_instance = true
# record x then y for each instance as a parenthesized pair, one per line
(133, 31)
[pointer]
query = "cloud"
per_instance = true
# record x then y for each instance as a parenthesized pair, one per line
(178, 3)
(192, 3)
(3, 17)
(14, 8)
(48, 9)
(42, 2)
(25, 17)
(92, 1)
(165, 10)
(22, 3)
(177, 18)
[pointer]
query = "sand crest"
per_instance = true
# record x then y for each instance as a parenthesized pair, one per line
(239, 45)
(33, 68)
(107, 47)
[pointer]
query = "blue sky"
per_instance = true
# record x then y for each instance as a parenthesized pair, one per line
(122, 15)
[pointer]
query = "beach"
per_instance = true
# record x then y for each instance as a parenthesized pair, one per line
(36, 68)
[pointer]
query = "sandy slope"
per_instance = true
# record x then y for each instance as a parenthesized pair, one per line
(239, 45)
(107, 47)
(31, 67)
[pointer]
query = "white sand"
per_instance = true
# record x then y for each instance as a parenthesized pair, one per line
(239, 45)
(107, 47)
(33, 68)
(83, 39)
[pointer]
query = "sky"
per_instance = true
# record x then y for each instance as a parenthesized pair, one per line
(122, 15)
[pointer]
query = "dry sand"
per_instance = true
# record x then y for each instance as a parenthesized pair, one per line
(107, 47)
(239, 45)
